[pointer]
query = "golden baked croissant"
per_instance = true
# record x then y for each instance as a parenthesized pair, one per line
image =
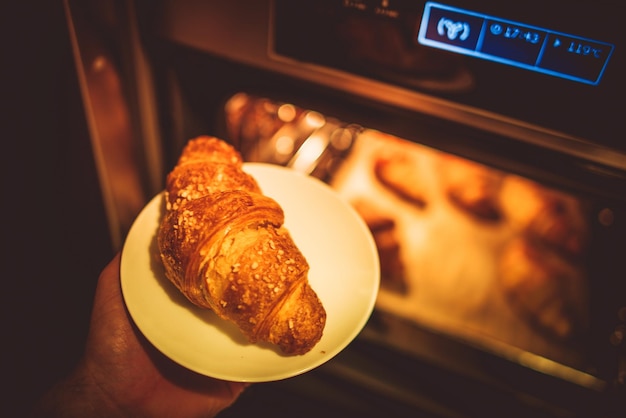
(224, 246)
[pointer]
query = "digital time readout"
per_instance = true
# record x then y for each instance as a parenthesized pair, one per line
(514, 32)
(513, 43)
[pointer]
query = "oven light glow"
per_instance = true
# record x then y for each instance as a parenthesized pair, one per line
(309, 152)
(286, 113)
(341, 139)
(314, 119)
(284, 145)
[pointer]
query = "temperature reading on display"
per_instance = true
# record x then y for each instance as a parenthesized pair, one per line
(583, 49)
(513, 43)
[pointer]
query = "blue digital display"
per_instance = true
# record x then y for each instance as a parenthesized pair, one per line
(512, 43)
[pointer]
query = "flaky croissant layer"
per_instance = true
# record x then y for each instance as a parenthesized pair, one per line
(224, 246)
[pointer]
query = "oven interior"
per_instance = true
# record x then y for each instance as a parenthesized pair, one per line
(501, 239)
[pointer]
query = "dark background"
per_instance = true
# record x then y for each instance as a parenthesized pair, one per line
(54, 235)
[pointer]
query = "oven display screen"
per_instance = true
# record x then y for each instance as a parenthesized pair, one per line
(499, 40)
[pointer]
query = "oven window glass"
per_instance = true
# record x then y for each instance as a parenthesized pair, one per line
(482, 254)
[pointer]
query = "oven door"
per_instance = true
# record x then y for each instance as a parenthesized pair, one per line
(496, 282)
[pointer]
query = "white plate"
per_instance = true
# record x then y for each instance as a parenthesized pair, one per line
(344, 271)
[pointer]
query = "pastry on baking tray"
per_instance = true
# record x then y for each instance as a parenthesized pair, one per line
(224, 246)
(399, 174)
(383, 229)
(545, 288)
(470, 186)
(554, 217)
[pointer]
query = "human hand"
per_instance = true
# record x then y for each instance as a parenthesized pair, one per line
(122, 375)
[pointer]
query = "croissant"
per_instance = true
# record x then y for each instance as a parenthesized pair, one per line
(224, 246)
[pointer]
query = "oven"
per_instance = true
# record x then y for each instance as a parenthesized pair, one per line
(482, 142)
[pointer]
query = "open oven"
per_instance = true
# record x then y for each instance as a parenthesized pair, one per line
(482, 142)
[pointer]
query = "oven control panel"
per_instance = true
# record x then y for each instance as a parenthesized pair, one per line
(513, 43)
